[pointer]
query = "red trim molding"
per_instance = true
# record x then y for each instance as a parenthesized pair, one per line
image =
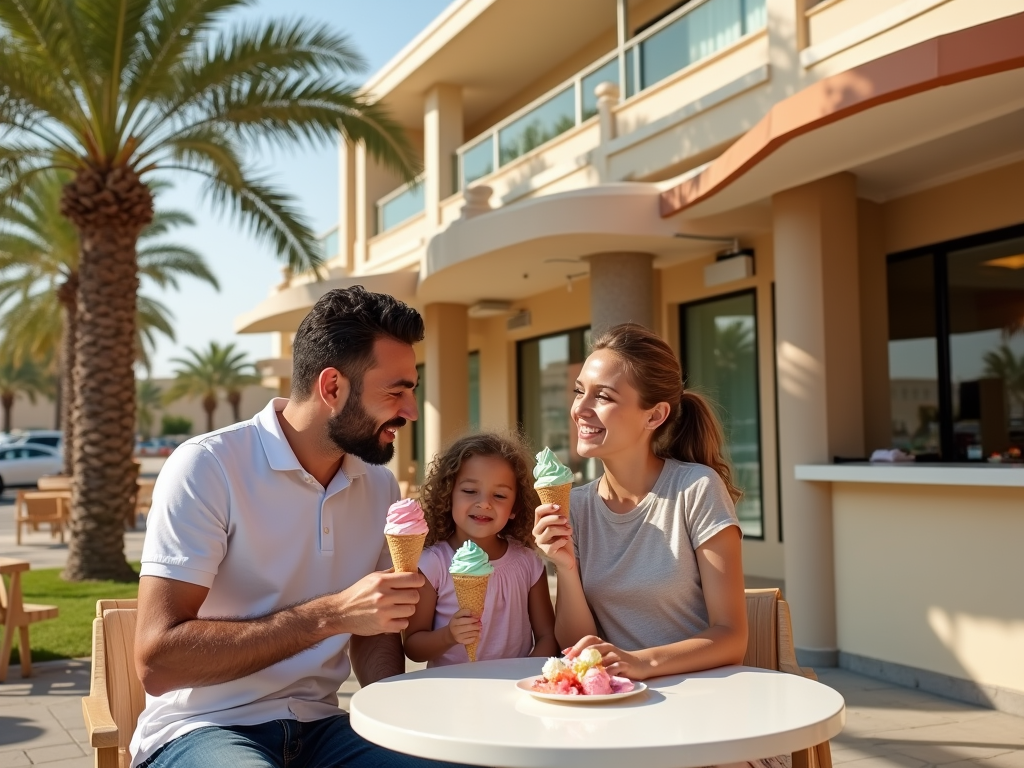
(996, 46)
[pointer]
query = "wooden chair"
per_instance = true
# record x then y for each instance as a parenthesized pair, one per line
(143, 498)
(34, 508)
(116, 697)
(17, 615)
(54, 483)
(770, 646)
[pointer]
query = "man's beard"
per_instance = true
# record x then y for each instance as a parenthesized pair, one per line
(354, 431)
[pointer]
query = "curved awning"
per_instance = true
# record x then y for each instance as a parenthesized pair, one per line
(928, 90)
(537, 244)
(284, 310)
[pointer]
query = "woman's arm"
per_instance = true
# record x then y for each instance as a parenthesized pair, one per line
(542, 618)
(724, 642)
(553, 535)
(422, 643)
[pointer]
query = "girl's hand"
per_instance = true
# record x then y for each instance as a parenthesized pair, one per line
(465, 627)
(553, 534)
(614, 660)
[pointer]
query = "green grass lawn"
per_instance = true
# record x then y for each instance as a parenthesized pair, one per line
(70, 634)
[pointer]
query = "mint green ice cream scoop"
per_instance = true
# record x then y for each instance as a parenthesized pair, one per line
(471, 560)
(549, 471)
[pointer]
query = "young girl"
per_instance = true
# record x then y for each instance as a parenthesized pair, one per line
(481, 490)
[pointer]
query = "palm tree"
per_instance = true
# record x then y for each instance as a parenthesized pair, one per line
(117, 90)
(27, 377)
(39, 275)
(236, 373)
(1002, 363)
(201, 375)
(148, 396)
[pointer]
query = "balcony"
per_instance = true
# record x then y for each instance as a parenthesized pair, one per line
(400, 205)
(686, 36)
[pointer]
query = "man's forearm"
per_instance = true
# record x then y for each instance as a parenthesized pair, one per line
(376, 657)
(202, 652)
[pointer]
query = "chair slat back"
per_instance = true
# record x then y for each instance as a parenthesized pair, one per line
(124, 689)
(110, 604)
(41, 505)
(762, 632)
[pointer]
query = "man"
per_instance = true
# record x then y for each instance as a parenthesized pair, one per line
(265, 558)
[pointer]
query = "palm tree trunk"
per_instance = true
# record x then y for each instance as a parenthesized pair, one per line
(7, 400)
(109, 209)
(235, 398)
(209, 405)
(67, 295)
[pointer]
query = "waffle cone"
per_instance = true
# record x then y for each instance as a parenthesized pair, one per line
(556, 494)
(471, 591)
(405, 551)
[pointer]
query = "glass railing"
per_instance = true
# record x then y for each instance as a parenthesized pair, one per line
(400, 205)
(329, 244)
(693, 32)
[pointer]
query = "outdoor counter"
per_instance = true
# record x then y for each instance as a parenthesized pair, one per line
(909, 473)
(929, 575)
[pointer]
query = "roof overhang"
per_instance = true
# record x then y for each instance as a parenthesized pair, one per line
(929, 90)
(283, 311)
(539, 244)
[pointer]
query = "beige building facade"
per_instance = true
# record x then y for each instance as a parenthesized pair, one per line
(820, 205)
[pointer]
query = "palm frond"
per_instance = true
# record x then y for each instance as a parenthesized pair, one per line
(164, 262)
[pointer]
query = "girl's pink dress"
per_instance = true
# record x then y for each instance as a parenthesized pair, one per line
(506, 631)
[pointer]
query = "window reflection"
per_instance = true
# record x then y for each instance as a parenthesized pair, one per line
(548, 369)
(720, 353)
(986, 346)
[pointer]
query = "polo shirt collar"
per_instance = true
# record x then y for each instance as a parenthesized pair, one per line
(279, 451)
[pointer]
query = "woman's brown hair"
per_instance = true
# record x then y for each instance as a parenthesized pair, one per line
(692, 432)
(436, 497)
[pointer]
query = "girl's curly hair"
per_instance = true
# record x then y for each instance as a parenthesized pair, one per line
(436, 496)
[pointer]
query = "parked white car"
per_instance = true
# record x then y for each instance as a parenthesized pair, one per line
(52, 438)
(25, 463)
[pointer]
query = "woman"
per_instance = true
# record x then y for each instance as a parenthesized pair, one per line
(649, 564)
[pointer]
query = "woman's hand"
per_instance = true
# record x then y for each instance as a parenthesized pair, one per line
(615, 660)
(553, 534)
(464, 627)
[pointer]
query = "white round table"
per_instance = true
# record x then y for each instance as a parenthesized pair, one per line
(474, 714)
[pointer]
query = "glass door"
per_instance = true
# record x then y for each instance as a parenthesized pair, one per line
(719, 346)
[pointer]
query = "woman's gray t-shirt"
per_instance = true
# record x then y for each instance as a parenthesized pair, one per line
(639, 569)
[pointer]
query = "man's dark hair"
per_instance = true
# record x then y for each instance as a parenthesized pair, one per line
(340, 330)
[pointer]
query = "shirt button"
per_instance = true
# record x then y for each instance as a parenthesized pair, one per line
(327, 530)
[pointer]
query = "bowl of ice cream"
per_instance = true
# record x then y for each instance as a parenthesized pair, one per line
(582, 680)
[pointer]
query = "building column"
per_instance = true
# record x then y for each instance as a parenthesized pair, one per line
(621, 290)
(442, 135)
(818, 354)
(347, 202)
(446, 411)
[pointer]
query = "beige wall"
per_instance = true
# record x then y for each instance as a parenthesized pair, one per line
(930, 577)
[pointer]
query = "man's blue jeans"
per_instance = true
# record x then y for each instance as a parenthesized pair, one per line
(328, 743)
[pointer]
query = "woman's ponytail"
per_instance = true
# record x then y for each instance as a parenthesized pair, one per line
(692, 432)
(697, 437)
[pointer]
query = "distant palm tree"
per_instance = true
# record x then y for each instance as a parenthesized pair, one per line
(1002, 363)
(148, 396)
(117, 90)
(206, 373)
(27, 377)
(39, 277)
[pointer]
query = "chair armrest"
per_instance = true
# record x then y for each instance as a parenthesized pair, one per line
(99, 723)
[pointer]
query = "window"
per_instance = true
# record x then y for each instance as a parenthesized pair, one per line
(474, 391)
(548, 368)
(719, 341)
(956, 348)
(418, 442)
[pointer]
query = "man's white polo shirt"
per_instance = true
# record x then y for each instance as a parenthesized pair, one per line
(234, 511)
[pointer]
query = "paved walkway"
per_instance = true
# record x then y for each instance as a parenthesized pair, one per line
(886, 726)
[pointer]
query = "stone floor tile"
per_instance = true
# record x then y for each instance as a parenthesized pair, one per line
(890, 760)
(943, 753)
(32, 727)
(1013, 759)
(52, 754)
(13, 759)
(81, 736)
